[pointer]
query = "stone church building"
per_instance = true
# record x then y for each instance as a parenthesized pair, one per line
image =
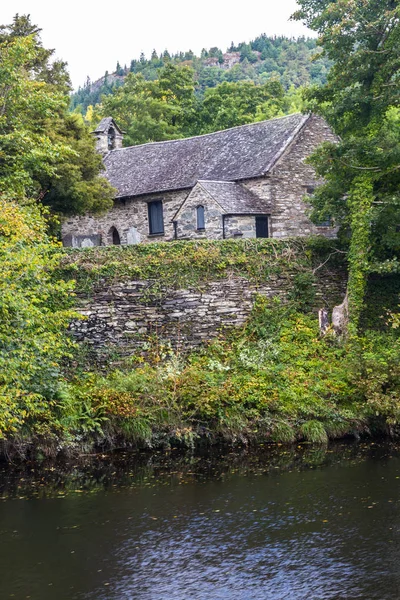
(245, 182)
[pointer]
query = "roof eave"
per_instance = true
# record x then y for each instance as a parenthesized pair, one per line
(249, 213)
(165, 191)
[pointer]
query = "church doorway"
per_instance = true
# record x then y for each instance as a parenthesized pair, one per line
(114, 236)
(262, 227)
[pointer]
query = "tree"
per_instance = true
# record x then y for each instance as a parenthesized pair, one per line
(46, 153)
(231, 104)
(153, 110)
(360, 100)
(177, 86)
(40, 63)
(26, 106)
(78, 186)
(34, 316)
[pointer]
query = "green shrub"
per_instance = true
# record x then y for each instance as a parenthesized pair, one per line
(314, 431)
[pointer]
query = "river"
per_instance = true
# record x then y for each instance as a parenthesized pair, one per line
(281, 523)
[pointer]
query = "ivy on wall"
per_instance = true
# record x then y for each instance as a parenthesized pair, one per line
(360, 206)
(183, 264)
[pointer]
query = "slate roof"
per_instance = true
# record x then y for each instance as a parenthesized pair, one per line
(105, 124)
(231, 155)
(234, 198)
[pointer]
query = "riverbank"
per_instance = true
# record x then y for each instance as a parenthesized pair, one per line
(270, 378)
(273, 380)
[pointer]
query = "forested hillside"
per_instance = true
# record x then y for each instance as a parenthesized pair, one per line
(289, 61)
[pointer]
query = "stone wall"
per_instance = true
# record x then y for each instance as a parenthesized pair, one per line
(242, 225)
(283, 190)
(130, 219)
(121, 316)
(187, 216)
(217, 226)
(286, 186)
(289, 180)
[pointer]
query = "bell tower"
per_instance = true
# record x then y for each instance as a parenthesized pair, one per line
(108, 136)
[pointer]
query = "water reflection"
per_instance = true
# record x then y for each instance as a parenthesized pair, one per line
(291, 523)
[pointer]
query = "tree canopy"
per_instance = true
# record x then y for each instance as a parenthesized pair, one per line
(153, 110)
(231, 104)
(45, 152)
(291, 61)
(168, 108)
(360, 100)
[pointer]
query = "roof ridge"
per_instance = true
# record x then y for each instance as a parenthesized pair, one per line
(202, 135)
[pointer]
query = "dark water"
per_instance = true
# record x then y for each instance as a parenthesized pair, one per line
(282, 524)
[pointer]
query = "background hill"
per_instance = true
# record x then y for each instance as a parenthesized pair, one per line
(289, 61)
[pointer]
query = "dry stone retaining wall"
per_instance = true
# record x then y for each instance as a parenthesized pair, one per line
(122, 315)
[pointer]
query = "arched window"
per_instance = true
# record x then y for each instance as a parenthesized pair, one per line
(200, 217)
(111, 138)
(114, 236)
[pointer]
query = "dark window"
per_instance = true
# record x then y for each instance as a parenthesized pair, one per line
(262, 227)
(156, 219)
(111, 138)
(116, 240)
(200, 217)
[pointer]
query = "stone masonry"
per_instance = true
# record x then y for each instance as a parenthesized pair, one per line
(237, 174)
(123, 316)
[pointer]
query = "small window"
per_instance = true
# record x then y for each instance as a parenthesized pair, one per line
(156, 219)
(201, 224)
(114, 235)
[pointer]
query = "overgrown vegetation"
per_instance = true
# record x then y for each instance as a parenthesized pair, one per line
(361, 102)
(274, 380)
(184, 264)
(34, 315)
(42, 147)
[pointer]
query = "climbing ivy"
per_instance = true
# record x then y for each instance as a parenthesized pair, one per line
(178, 265)
(360, 207)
